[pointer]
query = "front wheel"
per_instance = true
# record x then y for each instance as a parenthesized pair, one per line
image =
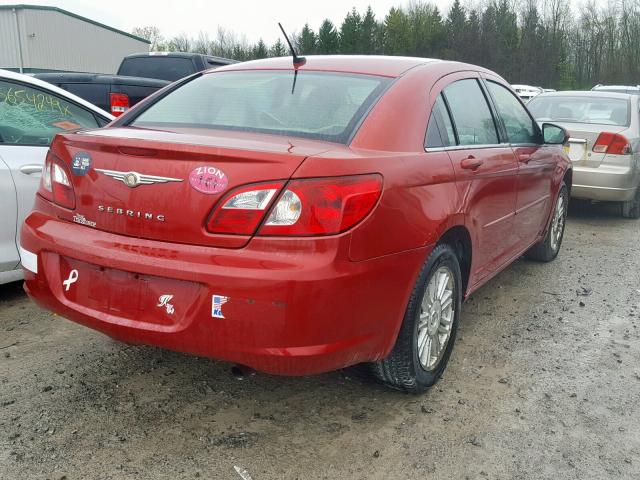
(547, 249)
(428, 330)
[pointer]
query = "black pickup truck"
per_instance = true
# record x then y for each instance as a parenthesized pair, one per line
(139, 76)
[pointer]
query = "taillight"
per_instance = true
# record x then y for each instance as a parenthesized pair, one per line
(243, 209)
(612, 143)
(323, 206)
(119, 103)
(315, 206)
(55, 183)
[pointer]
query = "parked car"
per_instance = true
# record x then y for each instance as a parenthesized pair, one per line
(299, 220)
(631, 89)
(112, 93)
(526, 92)
(604, 146)
(169, 66)
(31, 113)
(139, 75)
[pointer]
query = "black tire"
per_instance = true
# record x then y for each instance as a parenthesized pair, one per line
(631, 209)
(546, 249)
(402, 369)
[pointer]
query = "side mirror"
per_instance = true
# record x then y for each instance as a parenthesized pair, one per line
(554, 134)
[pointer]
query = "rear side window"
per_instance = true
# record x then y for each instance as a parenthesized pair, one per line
(440, 129)
(471, 115)
(323, 106)
(29, 116)
(162, 68)
(520, 126)
(594, 109)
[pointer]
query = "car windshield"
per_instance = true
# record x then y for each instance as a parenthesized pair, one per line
(595, 110)
(318, 105)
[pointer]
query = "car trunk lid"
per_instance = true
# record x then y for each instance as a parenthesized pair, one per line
(582, 137)
(181, 175)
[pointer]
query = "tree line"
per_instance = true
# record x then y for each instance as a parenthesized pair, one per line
(538, 42)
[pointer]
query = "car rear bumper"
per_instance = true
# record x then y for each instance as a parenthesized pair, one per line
(293, 306)
(604, 183)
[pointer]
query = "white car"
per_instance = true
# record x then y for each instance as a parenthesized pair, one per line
(32, 112)
(526, 92)
(630, 89)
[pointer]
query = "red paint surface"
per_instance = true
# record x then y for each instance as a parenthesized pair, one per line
(296, 305)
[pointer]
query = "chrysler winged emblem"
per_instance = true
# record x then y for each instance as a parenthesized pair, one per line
(133, 179)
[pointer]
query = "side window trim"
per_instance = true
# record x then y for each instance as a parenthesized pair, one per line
(436, 115)
(448, 112)
(503, 127)
(501, 130)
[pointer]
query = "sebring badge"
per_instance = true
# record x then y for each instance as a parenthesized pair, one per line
(133, 179)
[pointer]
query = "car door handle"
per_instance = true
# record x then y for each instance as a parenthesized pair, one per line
(524, 157)
(31, 169)
(471, 163)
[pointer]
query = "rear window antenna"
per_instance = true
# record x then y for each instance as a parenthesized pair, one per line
(297, 61)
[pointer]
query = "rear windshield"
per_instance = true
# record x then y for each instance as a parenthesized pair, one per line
(596, 110)
(318, 105)
(161, 68)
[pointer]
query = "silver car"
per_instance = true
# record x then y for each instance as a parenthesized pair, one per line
(31, 113)
(604, 143)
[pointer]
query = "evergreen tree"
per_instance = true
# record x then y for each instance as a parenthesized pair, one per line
(278, 49)
(307, 42)
(455, 26)
(328, 40)
(351, 33)
(396, 32)
(259, 50)
(368, 30)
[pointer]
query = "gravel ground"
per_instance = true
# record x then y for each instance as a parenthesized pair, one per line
(544, 383)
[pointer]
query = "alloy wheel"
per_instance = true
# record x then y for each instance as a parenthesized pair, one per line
(437, 312)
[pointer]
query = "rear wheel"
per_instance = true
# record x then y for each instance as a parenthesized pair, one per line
(547, 249)
(631, 209)
(428, 330)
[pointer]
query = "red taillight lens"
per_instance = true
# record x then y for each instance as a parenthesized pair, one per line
(612, 143)
(323, 206)
(119, 103)
(243, 209)
(55, 184)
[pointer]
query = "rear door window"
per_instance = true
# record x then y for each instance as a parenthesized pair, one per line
(520, 127)
(30, 116)
(471, 114)
(440, 131)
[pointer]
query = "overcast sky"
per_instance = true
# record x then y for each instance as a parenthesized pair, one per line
(253, 18)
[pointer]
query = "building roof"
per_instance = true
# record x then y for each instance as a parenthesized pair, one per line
(73, 15)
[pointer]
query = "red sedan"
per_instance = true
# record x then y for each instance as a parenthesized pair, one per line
(299, 219)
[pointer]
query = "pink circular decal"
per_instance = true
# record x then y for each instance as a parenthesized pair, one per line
(208, 179)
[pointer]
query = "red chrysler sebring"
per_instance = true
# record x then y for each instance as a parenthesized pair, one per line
(299, 219)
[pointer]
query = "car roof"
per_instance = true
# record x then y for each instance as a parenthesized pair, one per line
(587, 93)
(617, 87)
(9, 75)
(363, 64)
(226, 61)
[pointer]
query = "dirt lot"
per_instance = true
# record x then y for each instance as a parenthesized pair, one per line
(544, 383)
